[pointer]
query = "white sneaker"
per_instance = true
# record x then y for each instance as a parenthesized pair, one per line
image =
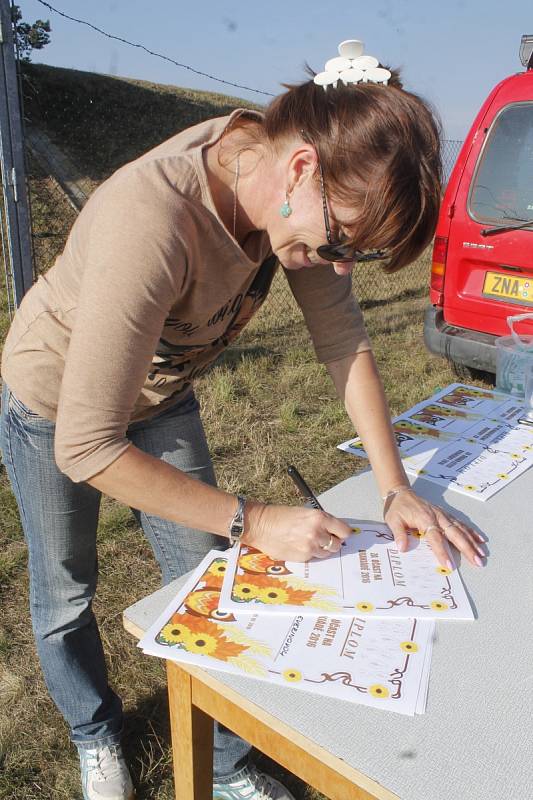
(250, 784)
(104, 774)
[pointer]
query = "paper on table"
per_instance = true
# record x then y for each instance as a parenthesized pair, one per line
(441, 424)
(368, 577)
(411, 437)
(379, 663)
(470, 468)
(458, 420)
(513, 439)
(464, 438)
(489, 403)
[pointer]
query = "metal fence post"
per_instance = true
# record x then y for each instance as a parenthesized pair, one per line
(18, 253)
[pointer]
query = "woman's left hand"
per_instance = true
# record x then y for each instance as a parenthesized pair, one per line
(406, 511)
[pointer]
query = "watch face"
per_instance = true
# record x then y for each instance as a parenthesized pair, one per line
(236, 528)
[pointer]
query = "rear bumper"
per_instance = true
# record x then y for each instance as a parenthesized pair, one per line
(460, 345)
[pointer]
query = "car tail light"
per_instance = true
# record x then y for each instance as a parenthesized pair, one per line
(438, 268)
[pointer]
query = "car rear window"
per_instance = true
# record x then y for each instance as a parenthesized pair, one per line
(502, 188)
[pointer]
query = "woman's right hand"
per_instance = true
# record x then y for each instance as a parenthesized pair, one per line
(293, 533)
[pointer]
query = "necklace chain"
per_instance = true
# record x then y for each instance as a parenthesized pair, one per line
(237, 173)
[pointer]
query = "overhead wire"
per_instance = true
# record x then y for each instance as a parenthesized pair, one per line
(152, 52)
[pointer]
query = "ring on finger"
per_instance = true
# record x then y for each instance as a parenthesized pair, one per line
(432, 528)
(328, 545)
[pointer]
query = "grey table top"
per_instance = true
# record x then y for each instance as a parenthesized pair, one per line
(475, 741)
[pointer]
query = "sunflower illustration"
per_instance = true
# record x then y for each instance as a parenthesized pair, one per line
(273, 594)
(443, 570)
(274, 590)
(292, 675)
(202, 643)
(174, 632)
(218, 567)
(365, 606)
(469, 487)
(244, 591)
(409, 647)
(356, 530)
(214, 574)
(503, 476)
(417, 534)
(377, 690)
(209, 639)
(438, 605)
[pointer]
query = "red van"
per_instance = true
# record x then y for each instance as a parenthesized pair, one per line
(482, 269)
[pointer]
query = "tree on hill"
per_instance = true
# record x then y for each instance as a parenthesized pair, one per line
(29, 37)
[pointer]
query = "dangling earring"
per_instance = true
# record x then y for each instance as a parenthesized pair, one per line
(286, 209)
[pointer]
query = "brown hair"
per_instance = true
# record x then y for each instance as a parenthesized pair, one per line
(379, 147)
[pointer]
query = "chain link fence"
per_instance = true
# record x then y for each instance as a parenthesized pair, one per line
(80, 127)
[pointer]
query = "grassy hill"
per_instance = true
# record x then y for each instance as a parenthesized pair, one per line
(103, 122)
(99, 122)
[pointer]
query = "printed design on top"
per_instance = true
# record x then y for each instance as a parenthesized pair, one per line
(407, 426)
(260, 579)
(465, 396)
(179, 360)
(433, 414)
(198, 627)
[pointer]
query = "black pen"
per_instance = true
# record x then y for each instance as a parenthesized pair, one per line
(303, 488)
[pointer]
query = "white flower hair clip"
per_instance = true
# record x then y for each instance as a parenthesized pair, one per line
(351, 66)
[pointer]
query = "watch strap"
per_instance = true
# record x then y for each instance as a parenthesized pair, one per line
(236, 526)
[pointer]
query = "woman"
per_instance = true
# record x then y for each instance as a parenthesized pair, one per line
(165, 265)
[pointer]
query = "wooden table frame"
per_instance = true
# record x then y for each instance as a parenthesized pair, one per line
(196, 698)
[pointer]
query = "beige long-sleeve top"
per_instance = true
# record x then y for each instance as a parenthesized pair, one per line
(149, 290)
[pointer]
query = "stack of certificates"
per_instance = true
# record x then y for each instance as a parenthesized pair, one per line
(474, 441)
(357, 626)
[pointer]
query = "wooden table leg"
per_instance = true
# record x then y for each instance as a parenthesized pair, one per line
(192, 739)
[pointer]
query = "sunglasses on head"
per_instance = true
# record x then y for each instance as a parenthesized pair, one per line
(337, 250)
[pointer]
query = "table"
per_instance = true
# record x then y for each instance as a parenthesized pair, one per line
(475, 741)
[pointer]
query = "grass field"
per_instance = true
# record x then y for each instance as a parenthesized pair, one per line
(267, 402)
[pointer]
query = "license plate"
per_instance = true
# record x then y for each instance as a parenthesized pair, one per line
(508, 287)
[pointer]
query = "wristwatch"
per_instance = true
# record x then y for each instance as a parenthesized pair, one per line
(236, 526)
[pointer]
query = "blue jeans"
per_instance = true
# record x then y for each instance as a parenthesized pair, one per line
(60, 519)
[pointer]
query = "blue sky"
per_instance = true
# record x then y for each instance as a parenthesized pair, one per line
(452, 52)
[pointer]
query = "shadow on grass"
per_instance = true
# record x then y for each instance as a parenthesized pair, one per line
(405, 294)
(233, 357)
(147, 747)
(274, 340)
(146, 743)
(394, 322)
